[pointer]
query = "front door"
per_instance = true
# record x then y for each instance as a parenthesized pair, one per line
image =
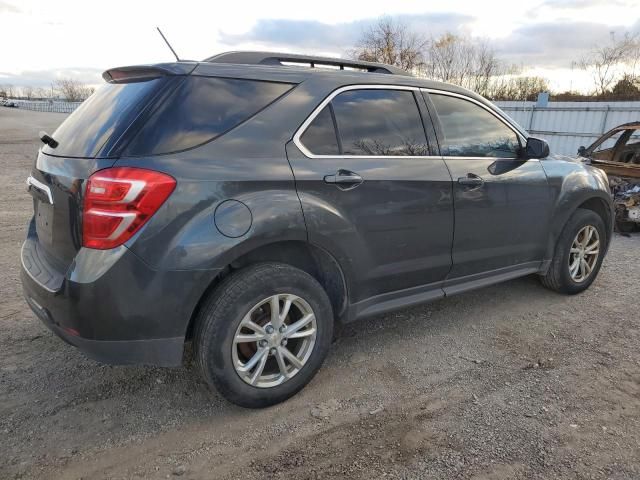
(502, 203)
(370, 192)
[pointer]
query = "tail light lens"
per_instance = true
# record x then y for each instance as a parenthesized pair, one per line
(118, 201)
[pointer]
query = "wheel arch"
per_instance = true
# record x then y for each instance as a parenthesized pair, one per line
(303, 255)
(600, 206)
(595, 201)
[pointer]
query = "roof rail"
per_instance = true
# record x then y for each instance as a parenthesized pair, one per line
(273, 58)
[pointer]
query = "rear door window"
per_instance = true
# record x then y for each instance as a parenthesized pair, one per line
(101, 119)
(471, 131)
(201, 109)
(379, 122)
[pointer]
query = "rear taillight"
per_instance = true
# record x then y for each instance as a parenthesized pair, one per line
(118, 201)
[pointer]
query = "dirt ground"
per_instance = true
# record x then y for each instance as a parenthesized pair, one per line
(511, 381)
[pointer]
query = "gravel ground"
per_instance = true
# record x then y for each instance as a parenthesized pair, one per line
(507, 382)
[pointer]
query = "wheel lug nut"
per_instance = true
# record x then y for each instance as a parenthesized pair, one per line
(263, 343)
(272, 351)
(283, 342)
(283, 328)
(269, 329)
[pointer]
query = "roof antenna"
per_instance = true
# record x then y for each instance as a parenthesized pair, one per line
(168, 44)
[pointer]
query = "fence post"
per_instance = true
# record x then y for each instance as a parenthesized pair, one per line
(604, 119)
(533, 111)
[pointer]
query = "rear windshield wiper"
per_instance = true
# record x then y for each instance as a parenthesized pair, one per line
(48, 139)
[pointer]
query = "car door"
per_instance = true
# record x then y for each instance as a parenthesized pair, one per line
(502, 202)
(371, 192)
(617, 145)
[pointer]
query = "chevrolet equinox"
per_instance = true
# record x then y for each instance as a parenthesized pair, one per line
(248, 202)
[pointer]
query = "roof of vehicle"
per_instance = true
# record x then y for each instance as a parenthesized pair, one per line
(281, 59)
(300, 73)
(293, 68)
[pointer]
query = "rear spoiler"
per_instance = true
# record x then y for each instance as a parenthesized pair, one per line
(142, 73)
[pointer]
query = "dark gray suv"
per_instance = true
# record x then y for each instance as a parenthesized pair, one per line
(248, 202)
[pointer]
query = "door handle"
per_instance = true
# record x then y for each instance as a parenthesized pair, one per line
(345, 178)
(471, 180)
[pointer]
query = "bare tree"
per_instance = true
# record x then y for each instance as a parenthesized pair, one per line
(487, 68)
(391, 42)
(7, 91)
(28, 92)
(41, 93)
(627, 87)
(633, 61)
(470, 63)
(459, 60)
(509, 87)
(72, 90)
(605, 61)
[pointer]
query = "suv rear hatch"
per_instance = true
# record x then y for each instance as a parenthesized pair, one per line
(141, 112)
(88, 140)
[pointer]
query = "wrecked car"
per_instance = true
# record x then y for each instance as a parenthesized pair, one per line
(617, 152)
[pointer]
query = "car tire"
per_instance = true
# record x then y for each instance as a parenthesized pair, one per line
(559, 276)
(224, 354)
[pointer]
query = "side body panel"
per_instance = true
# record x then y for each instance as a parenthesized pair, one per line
(248, 165)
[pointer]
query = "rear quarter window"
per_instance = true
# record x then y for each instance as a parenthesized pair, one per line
(320, 137)
(201, 109)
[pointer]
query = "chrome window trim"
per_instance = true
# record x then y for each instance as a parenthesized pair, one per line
(38, 185)
(300, 131)
(325, 102)
(436, 91)
(458, 157)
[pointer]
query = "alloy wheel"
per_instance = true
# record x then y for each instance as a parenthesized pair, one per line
(584, 253)
(274, 340)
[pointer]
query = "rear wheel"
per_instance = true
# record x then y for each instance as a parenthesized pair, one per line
(579, 254)
(263, 334)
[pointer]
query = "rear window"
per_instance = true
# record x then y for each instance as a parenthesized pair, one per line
(201, 109)
(101, 118)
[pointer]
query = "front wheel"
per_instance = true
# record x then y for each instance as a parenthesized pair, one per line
(579, 254)
(263, 334)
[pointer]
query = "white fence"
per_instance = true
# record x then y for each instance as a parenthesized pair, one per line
(568, 125)
(47, 105)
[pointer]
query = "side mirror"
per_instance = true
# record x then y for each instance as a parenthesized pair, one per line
(536, 148)
(582, 151)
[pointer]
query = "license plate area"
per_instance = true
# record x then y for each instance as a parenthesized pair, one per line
(44, 222)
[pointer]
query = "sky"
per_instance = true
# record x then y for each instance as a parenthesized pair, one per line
(44, 40)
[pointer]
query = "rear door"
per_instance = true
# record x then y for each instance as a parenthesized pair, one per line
(502, 202)
(371, 191)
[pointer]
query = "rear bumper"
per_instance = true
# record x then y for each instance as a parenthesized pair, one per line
(113, 306)
(163, 352)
